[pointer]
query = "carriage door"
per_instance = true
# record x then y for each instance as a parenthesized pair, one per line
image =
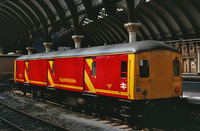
(50, 73)
(90, 75)
(123, 75)
(143, 67)
(26, 72)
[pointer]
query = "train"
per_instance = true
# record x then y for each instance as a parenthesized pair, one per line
(7, 71)
(120, 77)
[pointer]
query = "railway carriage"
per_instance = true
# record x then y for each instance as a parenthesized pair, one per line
(115, 75)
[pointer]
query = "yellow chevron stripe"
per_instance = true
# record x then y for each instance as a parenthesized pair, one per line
(69, 86)
(50, 79)
(51, 64)
(112, 92)
(26, 76)
(89, 62)
(19, 80)
(38, 82)
(89, 83)
(59, 85)
(27, 64)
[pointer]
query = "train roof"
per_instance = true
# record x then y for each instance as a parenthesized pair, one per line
(133, 47)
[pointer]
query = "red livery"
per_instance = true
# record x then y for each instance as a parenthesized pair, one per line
(100, 74)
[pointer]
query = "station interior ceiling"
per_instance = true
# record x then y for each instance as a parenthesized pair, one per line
(30, 23)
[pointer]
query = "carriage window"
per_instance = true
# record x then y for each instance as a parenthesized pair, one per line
(176, 67)
(124, 69)
(144, 68)
(28, 67)
(93, 68)
(53, 68)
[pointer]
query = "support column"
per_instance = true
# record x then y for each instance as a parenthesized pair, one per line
(77, 40)
(188, 65)
(198, 59)
(47, 46)
(132, 29)
(19, 52)
(182, 66)
(30, 50)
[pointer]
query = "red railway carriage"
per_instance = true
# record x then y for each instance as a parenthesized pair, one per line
(143, 70)
(77, 74)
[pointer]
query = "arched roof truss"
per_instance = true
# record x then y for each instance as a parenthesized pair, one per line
(100, 21)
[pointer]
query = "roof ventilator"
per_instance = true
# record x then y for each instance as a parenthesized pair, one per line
(77, 40)
(47, 46)
(30, 50)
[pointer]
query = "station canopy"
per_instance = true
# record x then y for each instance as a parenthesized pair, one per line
(30, 23)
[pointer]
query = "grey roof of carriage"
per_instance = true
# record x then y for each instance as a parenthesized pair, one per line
(117, 48)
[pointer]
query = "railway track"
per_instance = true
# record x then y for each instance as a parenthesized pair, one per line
(189, 119)
(21, 121)
(5, 126)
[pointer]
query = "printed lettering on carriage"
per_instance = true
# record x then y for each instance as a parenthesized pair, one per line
(20, 75)
(67, 80)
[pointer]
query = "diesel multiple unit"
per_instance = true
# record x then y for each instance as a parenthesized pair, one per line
(104, 75)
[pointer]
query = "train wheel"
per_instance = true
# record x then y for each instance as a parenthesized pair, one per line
(87, 108)
(43, 95)
(125, 113)
(100, 111)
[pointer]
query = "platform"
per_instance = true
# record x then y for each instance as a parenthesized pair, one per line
(191, 91)
(191, 77)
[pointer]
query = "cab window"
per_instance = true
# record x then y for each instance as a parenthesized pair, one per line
(124, 69)
(176, 67)
(144, 68)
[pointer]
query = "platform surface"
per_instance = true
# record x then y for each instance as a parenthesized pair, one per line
(191, 91)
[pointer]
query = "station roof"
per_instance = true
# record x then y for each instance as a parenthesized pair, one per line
(134, 47)
(28, 22)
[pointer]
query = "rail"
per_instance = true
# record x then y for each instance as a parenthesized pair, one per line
(22, 121)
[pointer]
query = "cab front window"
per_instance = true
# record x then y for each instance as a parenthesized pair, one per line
(176, 67)
(144, 68)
